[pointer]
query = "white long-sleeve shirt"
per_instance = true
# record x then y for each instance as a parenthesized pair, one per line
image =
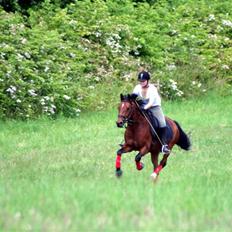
(152, 96)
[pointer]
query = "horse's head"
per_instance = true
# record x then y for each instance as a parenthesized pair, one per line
(125, 109)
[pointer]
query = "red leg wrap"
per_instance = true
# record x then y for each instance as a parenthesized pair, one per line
(139, 165)
(158, 169)
(118, 161)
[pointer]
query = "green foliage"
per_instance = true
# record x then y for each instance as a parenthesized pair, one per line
(61, 59)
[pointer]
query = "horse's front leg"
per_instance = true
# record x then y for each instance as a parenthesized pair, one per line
(125, 148)
(138, 163)
(138, 157)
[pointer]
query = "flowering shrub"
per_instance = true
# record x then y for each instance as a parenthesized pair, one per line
(63, 61)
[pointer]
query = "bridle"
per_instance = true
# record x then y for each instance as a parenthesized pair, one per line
(127, 119)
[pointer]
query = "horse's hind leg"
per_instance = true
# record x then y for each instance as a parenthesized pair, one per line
(158, 168)
(155, 160)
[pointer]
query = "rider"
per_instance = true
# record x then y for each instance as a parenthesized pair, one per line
(149, 93)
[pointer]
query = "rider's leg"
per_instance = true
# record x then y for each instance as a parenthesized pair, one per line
(158, 113)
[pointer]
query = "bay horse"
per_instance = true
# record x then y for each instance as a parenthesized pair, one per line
(138, 136)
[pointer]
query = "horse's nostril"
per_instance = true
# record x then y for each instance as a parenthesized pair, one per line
(119, 124)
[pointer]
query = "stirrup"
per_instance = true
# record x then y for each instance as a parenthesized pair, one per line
(165, 149)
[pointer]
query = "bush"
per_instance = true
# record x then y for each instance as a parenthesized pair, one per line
(66, 59)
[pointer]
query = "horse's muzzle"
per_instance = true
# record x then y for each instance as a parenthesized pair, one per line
(120, 124)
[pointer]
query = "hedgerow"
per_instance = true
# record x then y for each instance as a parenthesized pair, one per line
(79, 56)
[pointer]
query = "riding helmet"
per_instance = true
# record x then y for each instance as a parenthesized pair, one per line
(143, 76)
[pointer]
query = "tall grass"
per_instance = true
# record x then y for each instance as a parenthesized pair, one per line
(59, 175)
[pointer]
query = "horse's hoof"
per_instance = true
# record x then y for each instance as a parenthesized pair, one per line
(140, 166)
(118, 173)
(154, 176)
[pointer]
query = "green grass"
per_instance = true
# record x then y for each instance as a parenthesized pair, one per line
(59, 175)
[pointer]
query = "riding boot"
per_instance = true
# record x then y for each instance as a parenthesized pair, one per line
(163, 137)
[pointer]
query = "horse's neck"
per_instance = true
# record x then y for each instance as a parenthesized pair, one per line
(138, 117)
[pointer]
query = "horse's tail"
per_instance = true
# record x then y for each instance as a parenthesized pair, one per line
(184, 141)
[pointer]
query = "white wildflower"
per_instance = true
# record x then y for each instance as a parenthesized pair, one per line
(179, 93)
(212, 36)
(46, 69)
(136, 53)
(97, 78)
(24, 41)
(72, 55)
(77, 112)
(91, 87)
(193, 82)
(173, 84)
(211, 18)
(32, 92)
(171, 67)
(98, 34)
(52, 111)
(199, 85)
(12, 89)
(47, 98)
(66, 97)
(18, 101)
(42, 102)
(173, 32)
(27, 55)
(45, 109)
(225, 67)
(8, 74)
(2, 55)
(227, 23)
(19, 56)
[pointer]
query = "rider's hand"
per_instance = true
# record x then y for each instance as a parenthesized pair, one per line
(143, 109)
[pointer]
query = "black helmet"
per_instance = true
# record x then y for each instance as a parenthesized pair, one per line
(143, 76)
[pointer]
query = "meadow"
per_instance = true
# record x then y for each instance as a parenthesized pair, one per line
(58, 175)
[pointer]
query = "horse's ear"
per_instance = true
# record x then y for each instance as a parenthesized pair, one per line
(121, 97)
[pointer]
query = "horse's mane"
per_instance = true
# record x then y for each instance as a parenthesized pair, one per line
(128, 97)
(131, 97)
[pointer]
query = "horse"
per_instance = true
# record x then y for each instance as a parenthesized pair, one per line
(138, 136)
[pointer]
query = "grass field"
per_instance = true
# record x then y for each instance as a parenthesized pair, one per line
(59, 175)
